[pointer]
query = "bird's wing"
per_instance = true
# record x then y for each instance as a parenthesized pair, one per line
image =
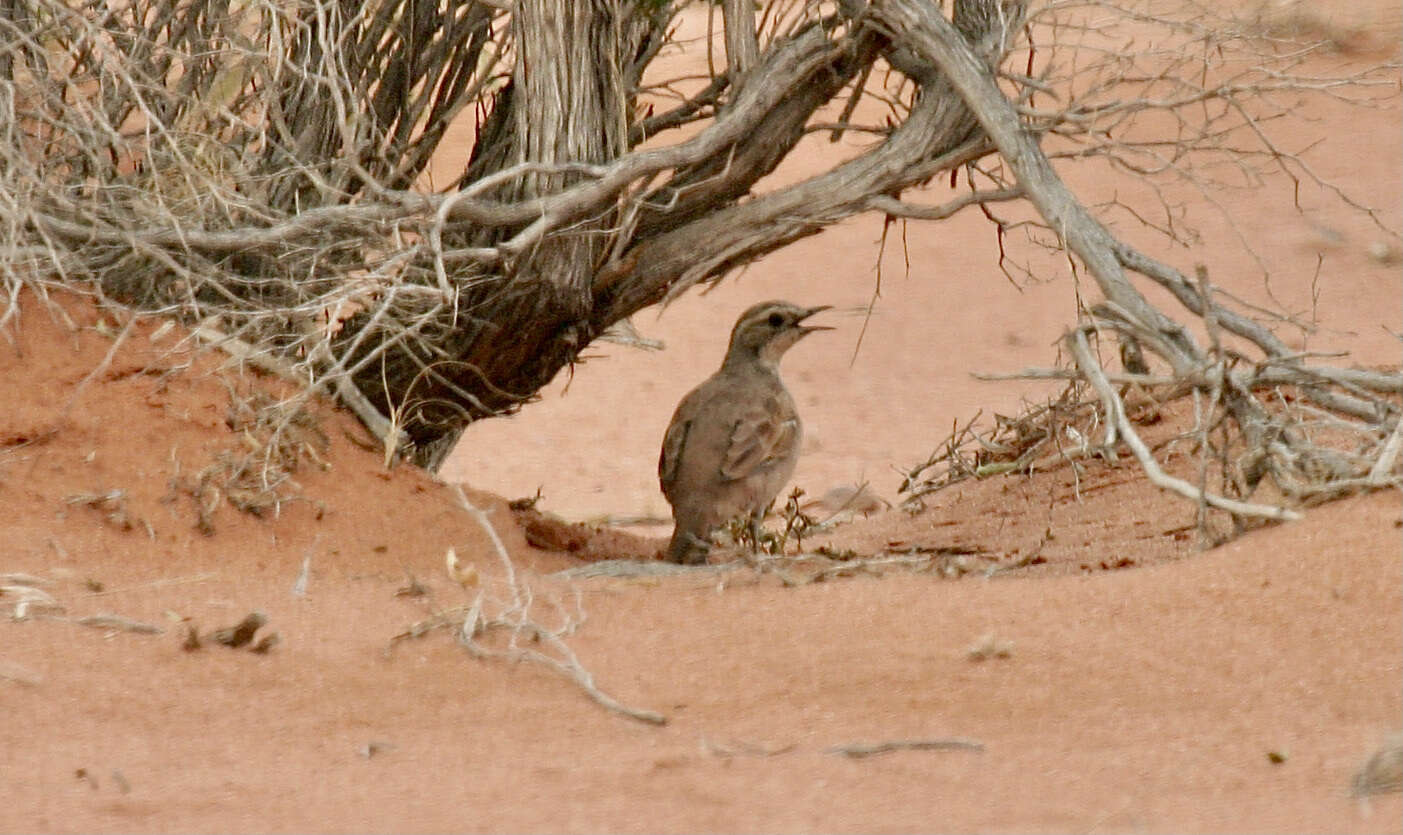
(763, 435)
(671, 458)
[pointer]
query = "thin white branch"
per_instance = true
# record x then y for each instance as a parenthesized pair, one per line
(1115, 411)
(898, 208)
(516, 618)
(1382, 471)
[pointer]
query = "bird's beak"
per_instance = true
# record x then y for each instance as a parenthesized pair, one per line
(811, 311)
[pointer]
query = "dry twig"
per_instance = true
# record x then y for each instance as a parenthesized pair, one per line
(1115, 409)
(859, 750)
(514, 618)
(118, 623)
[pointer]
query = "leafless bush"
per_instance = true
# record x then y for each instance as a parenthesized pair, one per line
(1313, 433)
(256, 168)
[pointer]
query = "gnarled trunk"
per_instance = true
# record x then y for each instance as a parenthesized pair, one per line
(499, 336)
(506, 331)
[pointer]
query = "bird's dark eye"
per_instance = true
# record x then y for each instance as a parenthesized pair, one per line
(775, 320)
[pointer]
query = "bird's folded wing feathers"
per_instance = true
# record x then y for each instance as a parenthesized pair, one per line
(762, 436)
(671, 458)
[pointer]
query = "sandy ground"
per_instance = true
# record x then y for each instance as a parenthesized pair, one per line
(1133, 682)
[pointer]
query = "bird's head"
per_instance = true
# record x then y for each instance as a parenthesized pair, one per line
(768, 329)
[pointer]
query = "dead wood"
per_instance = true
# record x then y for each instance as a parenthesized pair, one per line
(511, 610)
(860, 750)
(256, 169)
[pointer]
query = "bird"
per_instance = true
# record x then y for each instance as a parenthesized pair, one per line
(734, 440)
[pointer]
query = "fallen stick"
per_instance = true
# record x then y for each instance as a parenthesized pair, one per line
(517, 620)
(155, 584)
(106, 621)
(859, 750)
(640, 568)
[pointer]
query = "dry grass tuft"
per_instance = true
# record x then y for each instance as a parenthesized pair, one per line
(274, 439)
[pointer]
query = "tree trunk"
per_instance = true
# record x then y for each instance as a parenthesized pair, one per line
(503, 336)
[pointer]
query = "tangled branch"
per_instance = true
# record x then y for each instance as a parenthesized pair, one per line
(1276, 444)
(259, 169)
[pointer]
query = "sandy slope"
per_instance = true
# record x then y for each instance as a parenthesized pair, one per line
(1148, 698)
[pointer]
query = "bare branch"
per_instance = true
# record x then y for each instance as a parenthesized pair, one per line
(516, 618)
(261, 168)
(1115, 413)
(897, 208)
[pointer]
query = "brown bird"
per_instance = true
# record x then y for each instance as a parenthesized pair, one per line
(734, 439)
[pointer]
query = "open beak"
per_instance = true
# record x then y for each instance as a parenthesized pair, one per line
(811, 311)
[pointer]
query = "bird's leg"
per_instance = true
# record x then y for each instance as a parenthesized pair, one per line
(752, 553)
(757, 533)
